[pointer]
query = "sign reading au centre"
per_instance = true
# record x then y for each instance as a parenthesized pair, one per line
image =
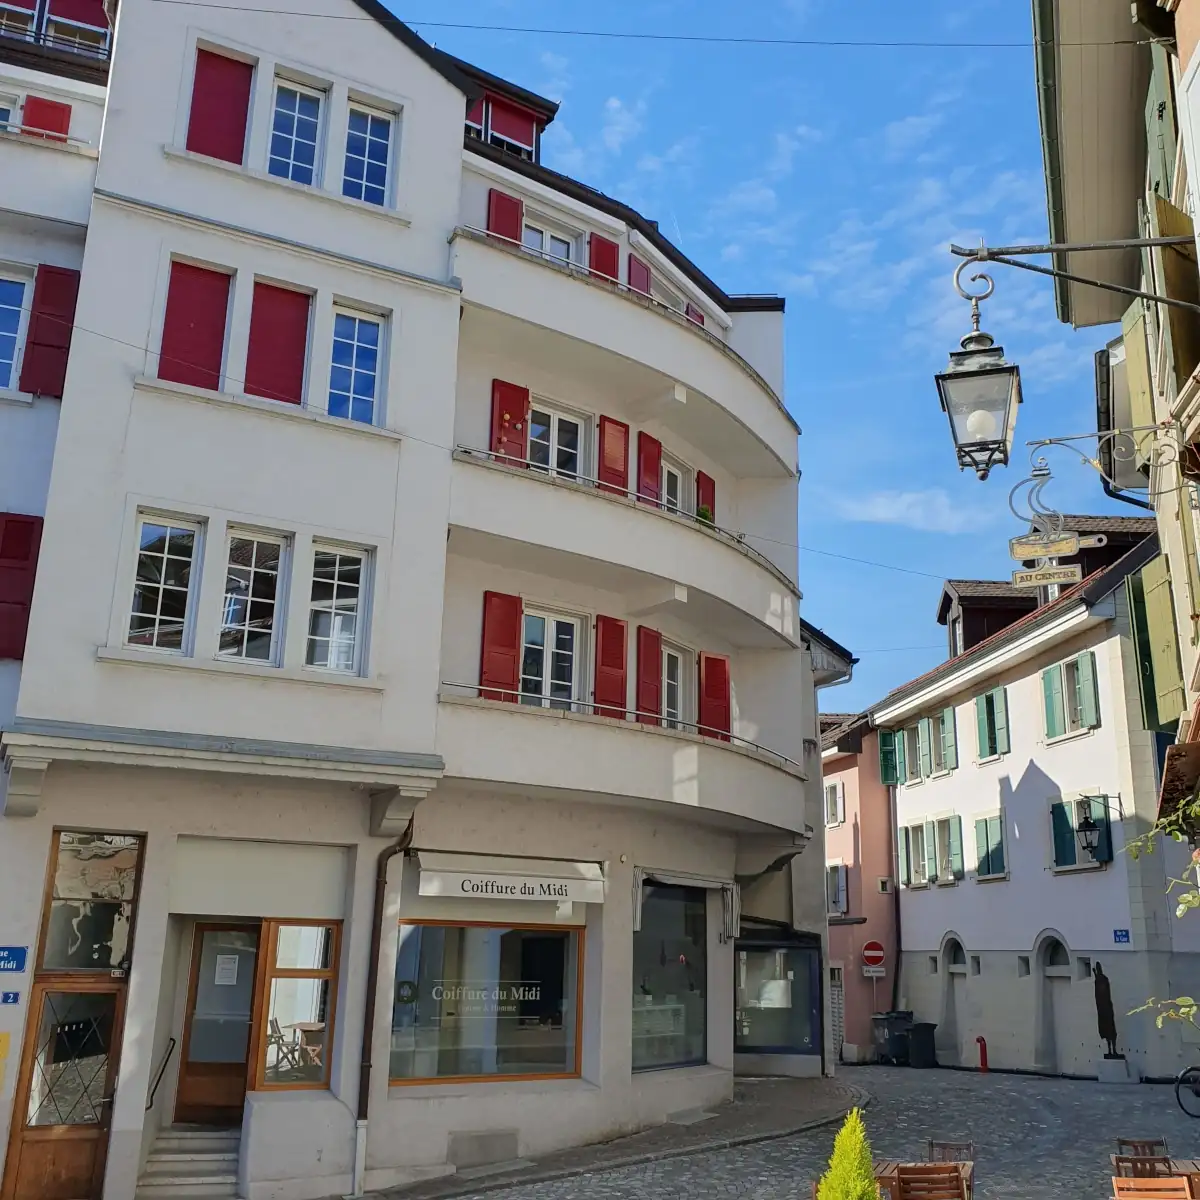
(472, 886)
(1044, 576)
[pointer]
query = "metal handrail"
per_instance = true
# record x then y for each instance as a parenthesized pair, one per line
(654, 720)
(161, 1070)
(54, 41)
(732, 537)
(667, 310)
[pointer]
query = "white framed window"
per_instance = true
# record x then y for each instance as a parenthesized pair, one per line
(551, 671)
(16, 22)
(914, 866)
(912, 754)
(547, 242)
(556, 440)
(664, 295)
(72, 35)
(15, 296)
(336, 611)
(162, 610)
(354, 370)
(9, 104)
(835, 802)
(369, 139)
(956, 637)
(836, 892)
(1071, 698)
(295, 132)
(675, 485)
(251, 617)
(676, 686)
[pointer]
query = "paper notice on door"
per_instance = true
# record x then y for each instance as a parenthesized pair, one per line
(226, 973)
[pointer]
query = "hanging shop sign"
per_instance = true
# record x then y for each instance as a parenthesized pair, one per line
(1046, 576)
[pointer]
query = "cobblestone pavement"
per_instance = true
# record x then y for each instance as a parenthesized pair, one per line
(1035, 1138)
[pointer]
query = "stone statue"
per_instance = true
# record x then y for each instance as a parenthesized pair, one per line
(1106, 1019)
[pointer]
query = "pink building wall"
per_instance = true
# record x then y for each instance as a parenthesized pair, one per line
(863, 842)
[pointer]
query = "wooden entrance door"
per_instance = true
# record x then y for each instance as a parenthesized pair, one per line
(63, 1104)
(218, 1024)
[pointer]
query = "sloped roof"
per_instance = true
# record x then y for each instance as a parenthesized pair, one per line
(546, 109)
(839, 724)
(1082, 523)
(1094, 588)
(990, 588)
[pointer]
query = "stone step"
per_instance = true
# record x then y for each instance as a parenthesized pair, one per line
(208, 1190)
(188, 1141)
(200, 1166)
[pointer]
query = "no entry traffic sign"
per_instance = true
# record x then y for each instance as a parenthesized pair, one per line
(872, 954)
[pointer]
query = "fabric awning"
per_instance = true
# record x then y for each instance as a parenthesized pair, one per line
(486, 877)
(513, 124)
(86, 12)
(731, 895)
(1180, 777)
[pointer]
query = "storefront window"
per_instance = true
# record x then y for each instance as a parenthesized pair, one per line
(778, 1000)
(670, 978)
(301, 995)
(485, 1001)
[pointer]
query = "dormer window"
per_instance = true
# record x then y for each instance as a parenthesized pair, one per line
(475, 120)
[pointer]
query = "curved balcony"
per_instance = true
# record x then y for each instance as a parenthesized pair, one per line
(659, 560)
(732, 413)
(549, 752)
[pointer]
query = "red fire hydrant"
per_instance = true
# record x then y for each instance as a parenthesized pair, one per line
(982, 1041)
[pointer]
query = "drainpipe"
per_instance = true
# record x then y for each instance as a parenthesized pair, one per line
(893, 813)
(386, 855)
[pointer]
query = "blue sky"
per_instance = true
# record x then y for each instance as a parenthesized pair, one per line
(836, 177)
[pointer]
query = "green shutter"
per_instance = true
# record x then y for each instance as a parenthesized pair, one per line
(949, 740)
(1100, 814)
(1135, 597)
(902, 850)
(925, 746)
(1134, 336)
(931, 870)
(1187, 527)
(996, 844)
(901, 756)
(887, 758)
(1064, 835)
(1000, 708)
(1178, 281)
(983, 737)
(982, 848)
(956, 848)
(1165, 674)
(1053, 697)
(1089, 697)
(1160, 124)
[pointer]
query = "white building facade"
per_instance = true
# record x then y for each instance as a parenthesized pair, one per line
(999, 757)
(397, 742)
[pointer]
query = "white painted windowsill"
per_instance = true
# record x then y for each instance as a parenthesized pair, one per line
(66, 145)
(380, 211)
(992, 878)
(221, 666)
(12, 396)
(274, 408)
(1072, 736)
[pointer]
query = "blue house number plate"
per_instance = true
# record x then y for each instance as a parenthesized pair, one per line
(12, 958)
(1121, 937)
(10, 997)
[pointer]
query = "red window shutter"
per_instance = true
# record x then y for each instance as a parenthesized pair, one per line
(639, 275)
(649, 469)
(694, 314)
(506, 215)
(716, 710)
(500, 659)
(475, 114)
(706, 495)
(20, 538)
(278, 343)
(612, 465)
(649, 675)
(193, 337)
(47, 115)
(86, 12)
(220, 106)
(510, 421)
(610, 691)
(512, 123)
(604, 257)
(51, 319)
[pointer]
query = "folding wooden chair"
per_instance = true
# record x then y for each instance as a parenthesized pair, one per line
(930, 1181)
(1142, 1166)
(1176, 1187)
(1143, 1147)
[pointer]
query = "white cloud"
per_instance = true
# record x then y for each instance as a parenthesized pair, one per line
(561, 151)
(621, 123)
(749, 196)
(557, 81)
(676, 154)
(787, 143)
(929, 511)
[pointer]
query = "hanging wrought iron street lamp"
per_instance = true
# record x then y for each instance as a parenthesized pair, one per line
(980, 391)
(1087, 829)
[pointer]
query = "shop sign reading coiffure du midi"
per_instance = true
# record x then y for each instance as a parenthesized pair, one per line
(474, 886)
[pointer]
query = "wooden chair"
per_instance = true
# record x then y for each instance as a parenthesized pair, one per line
(1142, 1166)
(932, 1181)
(1175, 1188)
(1143, 1147)
(937, 1151)
(287, 1053)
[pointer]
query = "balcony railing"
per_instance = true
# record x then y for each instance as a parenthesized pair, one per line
(582, 272)
(650, 721)
(575, 479)
(78, 43)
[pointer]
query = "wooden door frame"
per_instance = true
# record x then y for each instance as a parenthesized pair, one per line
(199, 928)
(71, 982)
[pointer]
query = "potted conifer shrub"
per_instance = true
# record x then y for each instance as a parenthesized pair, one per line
(851, 1174)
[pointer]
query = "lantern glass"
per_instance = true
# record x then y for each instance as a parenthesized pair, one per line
(980, 393)
(1089, 834)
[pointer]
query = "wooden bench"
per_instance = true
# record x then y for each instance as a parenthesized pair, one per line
(1175, 1187)
(933, 1181)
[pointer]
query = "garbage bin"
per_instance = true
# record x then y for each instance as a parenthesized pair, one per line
(921, 1050)
(890, 1035)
